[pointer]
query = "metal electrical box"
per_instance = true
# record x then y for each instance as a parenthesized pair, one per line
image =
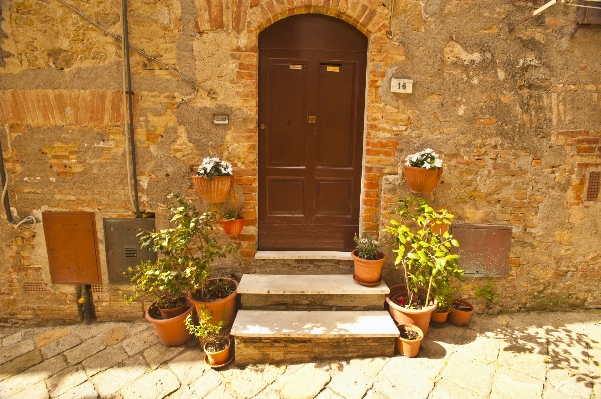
(72, 247)
(123, 246)
(483, 249)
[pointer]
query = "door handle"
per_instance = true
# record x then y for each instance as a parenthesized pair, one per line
(312, 119)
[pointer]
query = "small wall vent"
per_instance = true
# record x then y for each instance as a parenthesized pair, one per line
(34, 286)
(594, 183)
(131, 252)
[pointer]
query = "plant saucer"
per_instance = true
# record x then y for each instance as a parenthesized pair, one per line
(365, 284)
(218, 366)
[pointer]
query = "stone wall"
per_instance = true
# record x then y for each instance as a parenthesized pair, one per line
(515, 115)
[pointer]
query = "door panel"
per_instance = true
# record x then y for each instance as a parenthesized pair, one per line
(311, 110)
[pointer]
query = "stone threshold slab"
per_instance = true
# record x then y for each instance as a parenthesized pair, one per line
(313, 324)
(326, 284)
(292, 255)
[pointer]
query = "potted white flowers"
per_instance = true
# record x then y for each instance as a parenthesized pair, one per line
(367, 261)
(422, 171)
(213, 180)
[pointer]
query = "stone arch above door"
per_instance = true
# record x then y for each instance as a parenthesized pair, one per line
(368, 16)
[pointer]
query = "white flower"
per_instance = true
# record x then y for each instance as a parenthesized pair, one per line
(438, 163)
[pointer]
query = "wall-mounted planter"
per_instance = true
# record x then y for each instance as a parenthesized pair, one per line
(213, 190)
(422, 180)
(232, 227)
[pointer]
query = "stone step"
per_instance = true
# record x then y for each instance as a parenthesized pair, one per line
(266, 336)
(309, 292)
(302, 262)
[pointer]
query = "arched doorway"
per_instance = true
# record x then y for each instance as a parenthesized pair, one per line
(311, 121)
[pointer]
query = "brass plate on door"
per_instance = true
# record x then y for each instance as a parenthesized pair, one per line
(330, 68)
(296, 67)
(312, 119)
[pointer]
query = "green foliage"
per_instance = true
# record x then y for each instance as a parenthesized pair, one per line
(367, 247)
(423, 254)
(444, 294)
(231, 215)
(206, 327)
(488, 291)
(186, 252)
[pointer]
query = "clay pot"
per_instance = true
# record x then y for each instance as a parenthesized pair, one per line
(408, 347)
(216, 307)
(171, 332)
(368, 271)
(459, 317)
(170, 313)
(402, 315)
(439, 317)
(218, 358)
(232, 227)
(422, 180)
(213, 190)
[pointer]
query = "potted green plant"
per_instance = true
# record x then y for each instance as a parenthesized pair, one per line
(422, 171)
(367, 260)
(211, 334)
(186, 250)
(213, 180)
(232, 222)
(444, 295)
(424, 257)
(409, 340)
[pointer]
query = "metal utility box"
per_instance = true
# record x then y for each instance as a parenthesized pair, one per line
(72, 247)
(123, 246)
(483, 249)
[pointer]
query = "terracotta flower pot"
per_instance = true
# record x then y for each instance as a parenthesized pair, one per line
(368, 271)
(216, 307)
(403, 315)
(171, 332)
(220, 357)
(170, 313)
(460, 317)
(422, 180)
(439, 317)
(232, 227)
(408, 347)
(213, 190)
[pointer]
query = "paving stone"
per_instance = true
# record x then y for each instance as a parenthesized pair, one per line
(20, 348)
(402, 377)
(189, 366)
(370, 366)
(219, 393)
(87, 331)
(253, 379)
(20, 363)
(267, 394)
(60, 345)
(201, 387)
(371, 394)
(155, 385)
(305, 383)
(112, 380)
(159, 354)
(569, 383)
(84, 350)
(65, 380)
(550, 393)
(532, 364)
(35, 391)
(445, 389)
(140, 341)
(83, 391)
(51, 336)
(33, 375)
(482, 349)
(350, 383)
(104, 359)
(427, 368)
(12, 339)
(469, 373)
(509, 384)
(286, 377)
(115, 335)
(328, 394)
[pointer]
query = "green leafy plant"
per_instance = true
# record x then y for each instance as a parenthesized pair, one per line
(367, 247)
(231, 215)
(186, 252)
(488, 291)
(422, 253)
(207, 330)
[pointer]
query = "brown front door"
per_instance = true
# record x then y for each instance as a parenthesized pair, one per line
(311, 112)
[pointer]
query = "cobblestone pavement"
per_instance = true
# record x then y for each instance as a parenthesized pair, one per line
(526, 355)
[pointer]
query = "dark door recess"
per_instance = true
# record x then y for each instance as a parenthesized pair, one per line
(72, 247)
(311, 112)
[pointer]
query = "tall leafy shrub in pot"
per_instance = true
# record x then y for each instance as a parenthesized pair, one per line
(424, 257)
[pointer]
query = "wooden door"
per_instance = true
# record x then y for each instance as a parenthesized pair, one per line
(311, 112)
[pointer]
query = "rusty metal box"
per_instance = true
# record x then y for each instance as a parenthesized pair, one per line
(123, 246)
(72, 247)
(483, 249)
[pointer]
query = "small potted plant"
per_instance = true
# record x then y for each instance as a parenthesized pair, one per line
(232, 223)
(422, 171)
(409, 340)
(213, 180)
(367, 260)
(444, 294)
(186, 250)
(424, 258)
(211, 334)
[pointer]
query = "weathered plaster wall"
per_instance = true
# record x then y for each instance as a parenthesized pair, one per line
(516, 116)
